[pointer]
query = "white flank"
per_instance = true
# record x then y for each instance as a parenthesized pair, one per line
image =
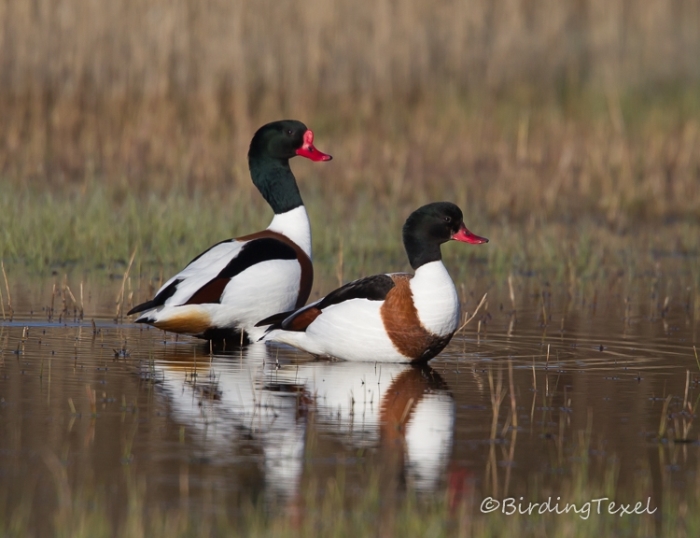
(352, 330)
(435, 298)
(295, 225)
(254, 294)
(258, 292)
(201, 271)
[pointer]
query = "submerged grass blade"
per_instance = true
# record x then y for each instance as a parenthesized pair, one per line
(663, 423)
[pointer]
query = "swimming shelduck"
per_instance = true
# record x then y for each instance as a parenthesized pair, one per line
(224, 291)
(394, 317)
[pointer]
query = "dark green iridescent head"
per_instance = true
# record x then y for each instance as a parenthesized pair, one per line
(268, 159)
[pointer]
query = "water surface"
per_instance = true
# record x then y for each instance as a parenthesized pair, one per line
(91, 402)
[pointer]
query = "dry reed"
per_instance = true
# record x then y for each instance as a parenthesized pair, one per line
(484, 102)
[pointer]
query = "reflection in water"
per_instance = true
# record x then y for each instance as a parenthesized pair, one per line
(404, 412)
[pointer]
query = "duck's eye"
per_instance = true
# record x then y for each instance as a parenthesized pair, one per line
(289, 132)
(448, 219)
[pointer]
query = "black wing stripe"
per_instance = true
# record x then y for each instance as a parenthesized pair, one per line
(158, 300)
(372, 288)
(257, 251)
(252, 253)
(275, 319)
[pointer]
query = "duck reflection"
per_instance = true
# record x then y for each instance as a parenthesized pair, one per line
(237, 406)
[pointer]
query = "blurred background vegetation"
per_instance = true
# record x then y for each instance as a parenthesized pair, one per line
(511, 108)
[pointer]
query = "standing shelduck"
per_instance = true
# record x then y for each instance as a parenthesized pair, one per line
(394, 317)
(224, 291)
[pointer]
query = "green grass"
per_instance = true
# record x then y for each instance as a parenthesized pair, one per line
(101, 226)
(98, 229)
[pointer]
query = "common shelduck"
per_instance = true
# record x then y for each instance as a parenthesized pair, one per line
(225, 290)
(394, 317)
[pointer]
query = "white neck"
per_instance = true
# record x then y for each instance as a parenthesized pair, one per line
(435, 298)
(295, 225)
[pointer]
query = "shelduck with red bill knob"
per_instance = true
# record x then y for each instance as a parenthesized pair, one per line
(224, 291)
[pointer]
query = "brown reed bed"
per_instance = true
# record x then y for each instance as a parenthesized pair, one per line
(515, 106)
(252, 54)
(507, 160)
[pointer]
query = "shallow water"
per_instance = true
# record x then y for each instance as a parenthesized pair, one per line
(89, 403)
